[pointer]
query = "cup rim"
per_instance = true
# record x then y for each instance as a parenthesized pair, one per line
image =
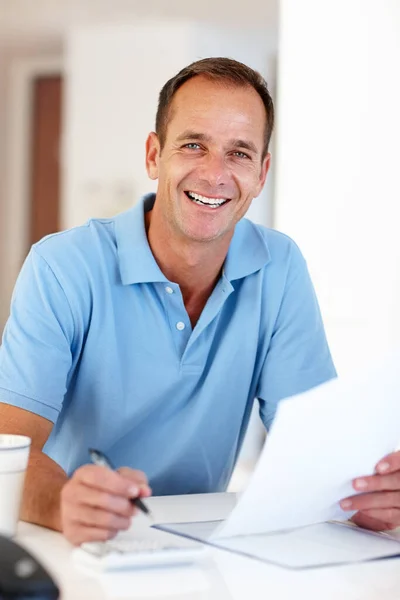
(24, 442)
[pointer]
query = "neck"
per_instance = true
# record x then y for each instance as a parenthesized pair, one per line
(194, 266)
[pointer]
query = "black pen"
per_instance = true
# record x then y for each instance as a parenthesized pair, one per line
(99, 458)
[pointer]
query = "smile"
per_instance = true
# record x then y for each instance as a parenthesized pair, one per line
(205, 201)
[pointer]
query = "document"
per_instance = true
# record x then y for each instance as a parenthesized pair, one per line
(319, 442)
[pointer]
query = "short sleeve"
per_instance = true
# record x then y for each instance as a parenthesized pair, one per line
(35, 355)
(298, 357)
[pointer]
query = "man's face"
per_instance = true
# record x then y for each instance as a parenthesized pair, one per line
(211, 166)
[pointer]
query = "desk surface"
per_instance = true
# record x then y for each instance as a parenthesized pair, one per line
(221, 576)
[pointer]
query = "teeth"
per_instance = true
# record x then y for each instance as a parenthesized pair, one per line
(214, 202)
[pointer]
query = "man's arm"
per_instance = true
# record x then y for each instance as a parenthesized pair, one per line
(44, 477)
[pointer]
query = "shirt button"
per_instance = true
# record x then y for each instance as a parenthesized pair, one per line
(169, 290)
(180, 326)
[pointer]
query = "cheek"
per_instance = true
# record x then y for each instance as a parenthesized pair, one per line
(177, 170)
(248, 181)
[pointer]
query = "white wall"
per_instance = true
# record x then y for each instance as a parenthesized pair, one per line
(338, 185)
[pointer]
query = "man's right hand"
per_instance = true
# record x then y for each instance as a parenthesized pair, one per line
(95, 502)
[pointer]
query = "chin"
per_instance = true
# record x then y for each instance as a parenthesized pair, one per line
(204, 236)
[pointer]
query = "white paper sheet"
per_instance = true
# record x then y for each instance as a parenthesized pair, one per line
(319, 442)
(191, 507)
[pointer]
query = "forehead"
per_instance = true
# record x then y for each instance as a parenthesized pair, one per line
(219, 108)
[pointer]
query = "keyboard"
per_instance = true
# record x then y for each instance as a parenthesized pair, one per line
(156, 548)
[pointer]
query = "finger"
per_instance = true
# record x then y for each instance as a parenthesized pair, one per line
(370, 501)
(389, 518)
(96, 517)
(133, 474)
(79, 535)
(389, 463)
(137, 477)
(85, 495)
(145, 491)
(107, 480)
(368, 522)
(375, 483)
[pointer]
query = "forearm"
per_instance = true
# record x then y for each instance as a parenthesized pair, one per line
(43, 483)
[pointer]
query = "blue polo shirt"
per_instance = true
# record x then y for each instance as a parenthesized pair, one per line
(99, 342)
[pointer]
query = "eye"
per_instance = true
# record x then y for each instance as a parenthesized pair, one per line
(192, 146)
(241, 154)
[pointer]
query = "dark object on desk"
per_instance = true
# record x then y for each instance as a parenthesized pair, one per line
(22, 577)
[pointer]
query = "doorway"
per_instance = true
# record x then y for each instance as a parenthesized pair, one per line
(46, 131)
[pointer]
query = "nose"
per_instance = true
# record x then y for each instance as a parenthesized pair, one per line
(215, 170)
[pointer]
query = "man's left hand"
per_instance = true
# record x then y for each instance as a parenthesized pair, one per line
(379, 504)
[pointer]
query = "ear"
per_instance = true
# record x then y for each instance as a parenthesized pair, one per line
(266, 163)
(152, 155)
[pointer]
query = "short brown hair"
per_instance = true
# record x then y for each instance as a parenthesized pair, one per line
(217, 69)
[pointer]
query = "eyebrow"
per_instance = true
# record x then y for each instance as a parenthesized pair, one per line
(202, 137)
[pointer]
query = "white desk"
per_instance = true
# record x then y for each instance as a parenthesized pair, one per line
(222, 576)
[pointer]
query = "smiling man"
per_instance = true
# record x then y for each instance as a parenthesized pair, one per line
(149, 335)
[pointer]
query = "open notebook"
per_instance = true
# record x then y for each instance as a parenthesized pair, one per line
(312, 546)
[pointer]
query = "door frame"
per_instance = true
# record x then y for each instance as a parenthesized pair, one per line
(22, 73)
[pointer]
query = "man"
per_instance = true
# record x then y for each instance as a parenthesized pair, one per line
(149, 335)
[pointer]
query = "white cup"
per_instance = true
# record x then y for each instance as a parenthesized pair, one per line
(14, 455)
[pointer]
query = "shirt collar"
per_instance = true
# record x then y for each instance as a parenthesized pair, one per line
(136, 261)
(248, 251)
